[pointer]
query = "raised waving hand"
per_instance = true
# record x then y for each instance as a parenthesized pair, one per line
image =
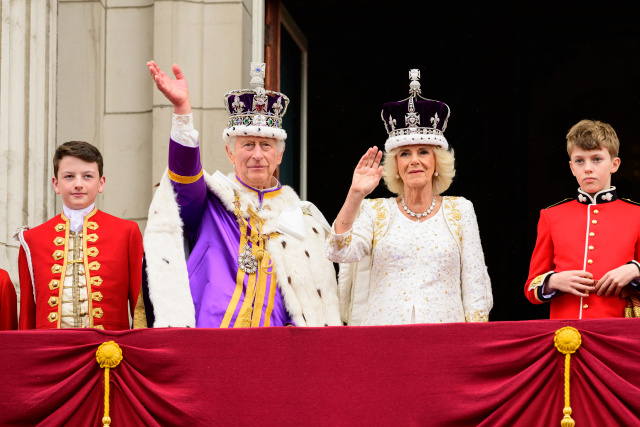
(175, 90)
(368, 172)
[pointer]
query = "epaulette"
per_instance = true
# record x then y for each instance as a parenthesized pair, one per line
(631, 201)
(559, 203)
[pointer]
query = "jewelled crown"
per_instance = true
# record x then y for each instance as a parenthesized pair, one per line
(256, 111)
(415, 120)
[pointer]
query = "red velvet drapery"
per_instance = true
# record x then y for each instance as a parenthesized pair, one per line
(491, 374)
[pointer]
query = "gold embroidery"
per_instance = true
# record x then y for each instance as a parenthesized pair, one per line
(343, 242)
(477, 316)
(537, 281)
(381, 216)
(92, 252)
(54, 284)
(96, 296)
(453, 214)
(60, 227)
(56, 268)
(98, 313)
(91, 238)
(53, 316)
(58, 255)
(99, 327)
(95, 265)
(95, 281)
(92, 225)
(58, 241)
(53, 301)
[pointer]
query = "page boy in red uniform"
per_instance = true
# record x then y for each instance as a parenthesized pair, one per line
(586, 256)
(8, 303)
(82, 268)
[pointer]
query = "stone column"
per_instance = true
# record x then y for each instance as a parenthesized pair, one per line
(28, 32)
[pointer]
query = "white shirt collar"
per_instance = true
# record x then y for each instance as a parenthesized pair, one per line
(76, 216)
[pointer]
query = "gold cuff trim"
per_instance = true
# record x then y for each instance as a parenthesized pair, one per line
(185, 179)
(98, 313)
(52, 317)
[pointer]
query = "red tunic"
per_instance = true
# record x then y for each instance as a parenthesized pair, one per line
(596, 235)
(112, 252)
(8, 303)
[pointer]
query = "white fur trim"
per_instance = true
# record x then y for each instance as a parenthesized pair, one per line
(166, 263)
(415, 139)
(263, 131)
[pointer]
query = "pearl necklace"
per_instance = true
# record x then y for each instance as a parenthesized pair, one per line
(420, 215)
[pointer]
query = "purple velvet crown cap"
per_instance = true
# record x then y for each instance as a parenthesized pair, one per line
(255, 112)
(415, 120)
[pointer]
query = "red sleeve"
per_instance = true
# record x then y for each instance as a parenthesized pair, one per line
(541, 262)
(27, 303)
(8, 303)
(135, 266)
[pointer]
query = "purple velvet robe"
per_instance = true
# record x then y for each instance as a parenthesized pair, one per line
(214, 237)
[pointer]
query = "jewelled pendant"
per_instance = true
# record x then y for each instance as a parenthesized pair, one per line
(247, 261)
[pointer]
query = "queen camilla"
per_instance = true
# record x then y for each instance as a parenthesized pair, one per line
(417, 257)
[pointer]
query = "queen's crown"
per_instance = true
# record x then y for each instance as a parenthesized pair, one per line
(415, 120)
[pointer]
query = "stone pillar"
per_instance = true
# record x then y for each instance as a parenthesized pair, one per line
(212, 43)
(28, 32)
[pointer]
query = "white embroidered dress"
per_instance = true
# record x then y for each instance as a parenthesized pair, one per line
(420, 272)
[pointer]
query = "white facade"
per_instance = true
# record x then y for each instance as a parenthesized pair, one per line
(76, 70)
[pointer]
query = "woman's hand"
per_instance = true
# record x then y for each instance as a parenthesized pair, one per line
(175, 90)
(367, 174)
(576, 282)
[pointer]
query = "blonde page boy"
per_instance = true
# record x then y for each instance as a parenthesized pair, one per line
(82, 268)
(585, 261)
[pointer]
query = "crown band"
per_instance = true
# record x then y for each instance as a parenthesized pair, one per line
(415, 131)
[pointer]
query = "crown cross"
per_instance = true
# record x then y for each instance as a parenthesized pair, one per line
(435, 120)
(414, 86)
(257, 74)
(412, 119)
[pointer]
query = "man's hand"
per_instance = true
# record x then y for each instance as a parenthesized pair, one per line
(576, 282)
(175, 91)
(615, 280)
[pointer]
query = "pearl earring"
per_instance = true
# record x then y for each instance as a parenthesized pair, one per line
(397, 176)
(436, 174)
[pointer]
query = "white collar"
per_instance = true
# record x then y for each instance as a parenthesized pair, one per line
(76, 216)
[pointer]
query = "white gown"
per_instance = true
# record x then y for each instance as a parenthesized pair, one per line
(428, 272)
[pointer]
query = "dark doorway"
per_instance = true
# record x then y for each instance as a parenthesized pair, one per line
(516, 77)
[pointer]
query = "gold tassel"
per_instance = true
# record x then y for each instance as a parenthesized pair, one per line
(108, 356)
(567, 340)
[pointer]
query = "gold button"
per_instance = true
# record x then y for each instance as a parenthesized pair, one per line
(54, 284)
(590, 261)
(592, 234)
(596, 211)
(591, 248)
(585, 306)
(58, 255)
(52, 317)
(594, 221)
